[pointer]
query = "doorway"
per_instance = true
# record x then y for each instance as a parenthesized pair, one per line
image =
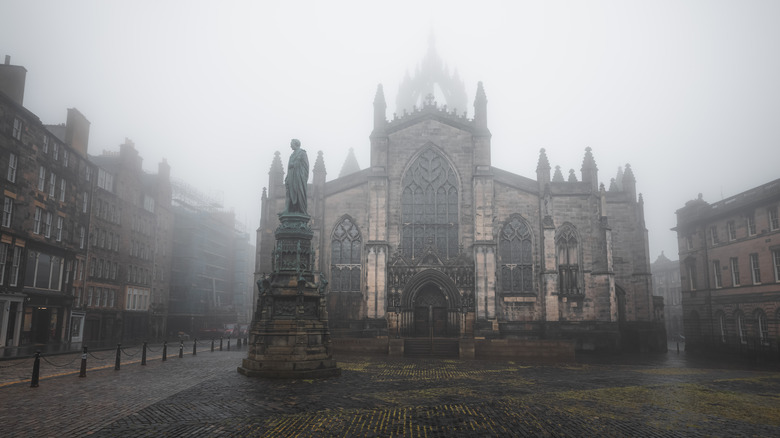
(430, 312)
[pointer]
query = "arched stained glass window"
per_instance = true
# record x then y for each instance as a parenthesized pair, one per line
(516, 257)
(429, 206)
(345, 253)
(568, 261)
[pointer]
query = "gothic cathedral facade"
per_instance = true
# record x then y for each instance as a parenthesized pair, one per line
(432, 240)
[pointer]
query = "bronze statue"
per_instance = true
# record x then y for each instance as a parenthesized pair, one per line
(297, 179)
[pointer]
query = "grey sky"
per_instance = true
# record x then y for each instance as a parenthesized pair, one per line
(685, 91)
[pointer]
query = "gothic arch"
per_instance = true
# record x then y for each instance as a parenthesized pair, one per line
(346, 249)
(430, 276)
(430, 204)
(516, 256)
(568, 258)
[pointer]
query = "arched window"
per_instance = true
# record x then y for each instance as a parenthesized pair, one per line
(516, 257)
(722, 326)
(739, 318)
(762, 328)
(568, 261)
(345, 247)
(429, 206)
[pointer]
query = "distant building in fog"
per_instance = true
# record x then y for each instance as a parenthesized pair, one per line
(666, 284)
(730, 270)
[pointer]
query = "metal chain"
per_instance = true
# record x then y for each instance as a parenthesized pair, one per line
(57, 365)
(14, 365)
(98, 358)
(128, 354)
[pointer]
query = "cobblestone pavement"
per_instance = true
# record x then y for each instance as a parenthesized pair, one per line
(203, 395)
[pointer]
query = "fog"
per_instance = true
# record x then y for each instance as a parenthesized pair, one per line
(686, 92)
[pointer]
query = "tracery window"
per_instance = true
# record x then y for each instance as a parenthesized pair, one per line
(345, 249)
(429, 206)
(516, 257)
(568, 261)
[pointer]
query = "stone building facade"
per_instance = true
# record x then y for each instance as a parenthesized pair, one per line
(666, 284)
(730, 270)
(432, 240)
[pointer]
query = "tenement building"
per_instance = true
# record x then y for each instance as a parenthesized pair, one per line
(433, 240)
(730, 270)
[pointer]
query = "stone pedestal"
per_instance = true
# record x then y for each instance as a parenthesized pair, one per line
(289, 338)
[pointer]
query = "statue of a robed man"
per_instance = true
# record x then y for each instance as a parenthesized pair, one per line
(297, 179)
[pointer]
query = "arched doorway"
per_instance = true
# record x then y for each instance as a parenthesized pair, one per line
(430, 312)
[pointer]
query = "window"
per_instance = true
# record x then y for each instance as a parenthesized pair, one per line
(345, 257)
(63, 185)
(734, 271)
(754, 269)
(3, 260)
(88, 173)
(149, 203)
(429, 207)
(690, 268)
(17, 132)
(751, 224)
(37, 220)
(52, 184)
(17, 260)
(516, 257)
(774, 221)
(105, 180)
(41, 179)
(568, 265)
(89, 296)
(741, 332)
(762, 327)
(732, 230)
(776, 263)
(689, 241)
(65, 157)
(722, 326)
(92, 264)
(12, 163)
(714, 235)
(56, 151)
(716, 272)
(8, 211)
(86, 202)
(48, 224)
(43, 271)
(45, 144)
(60, 221)
(82, 236)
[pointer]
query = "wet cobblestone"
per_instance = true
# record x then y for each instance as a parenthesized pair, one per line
(203, 395)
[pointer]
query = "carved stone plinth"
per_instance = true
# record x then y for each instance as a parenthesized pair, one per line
(289, 338)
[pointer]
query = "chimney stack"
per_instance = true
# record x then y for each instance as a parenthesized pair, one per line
(12, 79)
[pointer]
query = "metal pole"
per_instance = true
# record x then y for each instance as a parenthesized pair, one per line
(212, 345)
(220, 343)
(118, 353)
(228, 343)
(83, 371)
(195, 347)
(143, 355)
(165, 351)
(36, 370)
(181, 348)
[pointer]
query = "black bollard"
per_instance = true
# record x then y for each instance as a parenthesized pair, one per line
(194, 347)
(83, 371)
(36, 370)
(181, 348)
(212, 345)
(165, 351)
(220, 343)
(143, 355)
(228, 343)
(678, 347)
(118, 353)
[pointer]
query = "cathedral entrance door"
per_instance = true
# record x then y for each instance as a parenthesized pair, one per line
(430, 312)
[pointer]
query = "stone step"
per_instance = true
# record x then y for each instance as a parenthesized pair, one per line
(425, 347)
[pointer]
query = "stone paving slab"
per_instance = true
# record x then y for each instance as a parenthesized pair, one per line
(203, 395)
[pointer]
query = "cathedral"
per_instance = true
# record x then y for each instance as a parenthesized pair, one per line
(433, 241)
